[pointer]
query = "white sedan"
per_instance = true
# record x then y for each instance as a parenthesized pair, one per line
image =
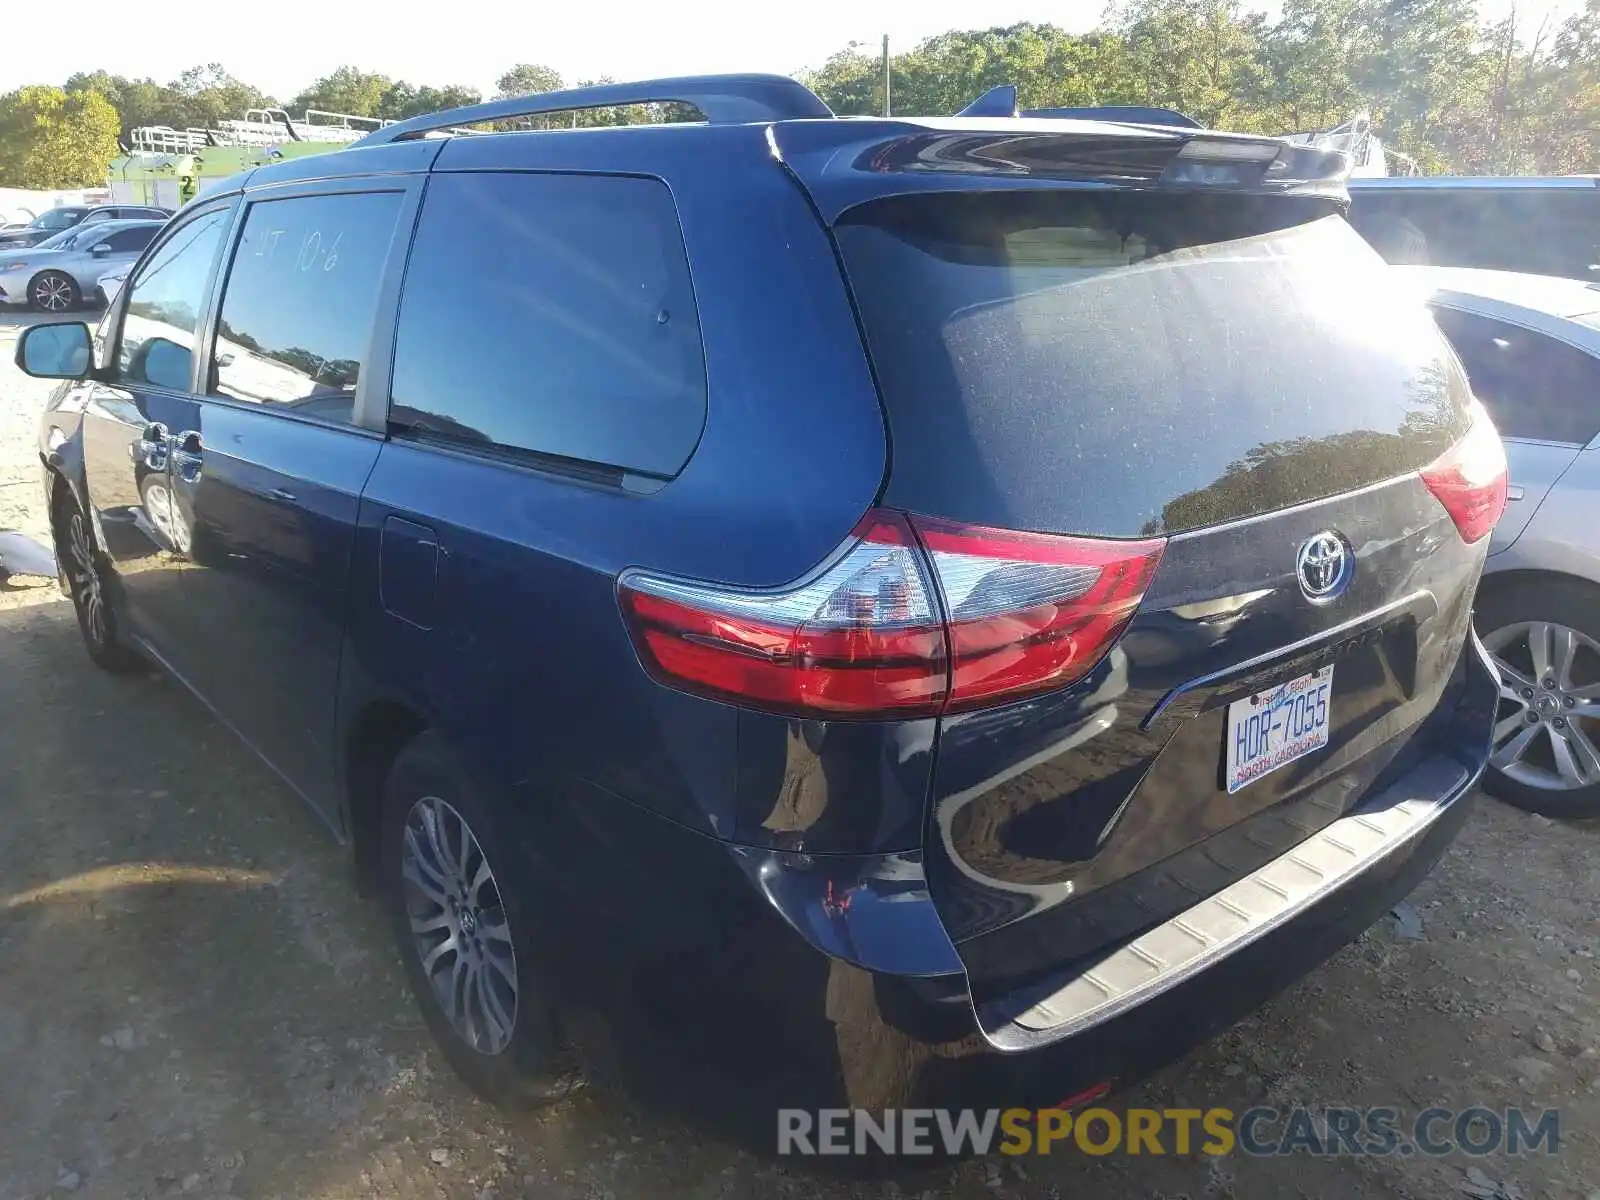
(111, 283)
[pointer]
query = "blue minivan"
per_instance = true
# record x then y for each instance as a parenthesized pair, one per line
(877, 611)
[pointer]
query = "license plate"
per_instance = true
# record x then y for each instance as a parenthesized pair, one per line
(1277, 726)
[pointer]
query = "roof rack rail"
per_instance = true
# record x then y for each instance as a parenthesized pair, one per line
(724, 99)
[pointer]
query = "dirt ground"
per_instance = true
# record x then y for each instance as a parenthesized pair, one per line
(193, 1001)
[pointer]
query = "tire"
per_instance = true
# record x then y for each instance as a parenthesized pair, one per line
(53, 292)
(1548, 762)
(503, 1042)
(83, 568)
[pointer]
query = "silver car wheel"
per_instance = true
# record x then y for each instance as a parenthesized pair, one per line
(459, 925)
(52, 293)
(1547, 731)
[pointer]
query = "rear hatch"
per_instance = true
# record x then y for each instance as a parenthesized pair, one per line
(1220, 380)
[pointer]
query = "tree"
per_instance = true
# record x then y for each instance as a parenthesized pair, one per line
(50, 138)
(406, 100)
(198, 99)
(848, 83)
(138, 102)
(526, 79)
(1202, 57)
(209, 95)
(346, 90)
(1310, 54)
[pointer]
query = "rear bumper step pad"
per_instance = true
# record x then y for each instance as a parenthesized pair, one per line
(1246, 910)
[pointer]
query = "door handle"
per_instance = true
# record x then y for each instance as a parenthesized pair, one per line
(1515, 492)
(187, 451)
(152, 446)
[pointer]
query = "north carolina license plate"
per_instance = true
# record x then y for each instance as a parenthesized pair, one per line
(1277, 726)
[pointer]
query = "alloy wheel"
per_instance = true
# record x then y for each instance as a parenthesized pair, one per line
(459, 925)
(53, 293)
(83, 575)
(1547, 730)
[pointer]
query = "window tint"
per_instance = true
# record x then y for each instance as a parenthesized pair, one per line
(553, 314)
(57, 218)
(1552, 231)
(96, 215)
(1046, 358)
(1535, 386)
(298, 306)
(131, 241)
(164, 304)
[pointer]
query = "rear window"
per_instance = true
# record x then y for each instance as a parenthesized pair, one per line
(1132, 363)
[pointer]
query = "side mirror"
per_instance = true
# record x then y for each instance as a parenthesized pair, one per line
(100, 250)
(163, 363)
(59, 351)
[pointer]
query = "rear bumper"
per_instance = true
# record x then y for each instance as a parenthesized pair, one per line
(845, 1004)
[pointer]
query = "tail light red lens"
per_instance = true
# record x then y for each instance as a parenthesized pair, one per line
(861, 637)
(897, 623)
(1470, 479)
(1029, 612)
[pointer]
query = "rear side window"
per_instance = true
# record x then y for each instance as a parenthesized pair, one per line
(551, 314)
(1122, 363)
(1534, 386)
(300, 299)
(130, 241)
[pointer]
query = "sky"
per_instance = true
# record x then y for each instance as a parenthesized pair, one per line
(283, 45)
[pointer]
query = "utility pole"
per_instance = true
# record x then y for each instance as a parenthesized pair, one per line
(886, 74)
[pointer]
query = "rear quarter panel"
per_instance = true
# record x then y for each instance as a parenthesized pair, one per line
(1562, 536)
(521, 658)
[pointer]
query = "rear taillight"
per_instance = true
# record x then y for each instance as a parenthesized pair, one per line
(1469, 479)
(897, 623)
(860, 637)
(1027, 611)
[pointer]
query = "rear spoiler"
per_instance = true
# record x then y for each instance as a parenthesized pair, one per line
(847, 163)
(1202, 157)
(1002, 102)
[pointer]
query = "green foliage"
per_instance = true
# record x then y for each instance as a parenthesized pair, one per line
(346, 90)
(198, 98)
(1443, 88)
(50, 138)
(403, 100)
(526, 79)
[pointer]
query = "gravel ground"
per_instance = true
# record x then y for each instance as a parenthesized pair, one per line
(194, 1002)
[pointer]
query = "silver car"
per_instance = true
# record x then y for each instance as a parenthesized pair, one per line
(1531, 347)
(56, 275)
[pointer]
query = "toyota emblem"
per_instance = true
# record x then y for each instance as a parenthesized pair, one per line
(1324, 565)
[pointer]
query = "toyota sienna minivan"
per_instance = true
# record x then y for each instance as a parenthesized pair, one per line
(891, 611)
